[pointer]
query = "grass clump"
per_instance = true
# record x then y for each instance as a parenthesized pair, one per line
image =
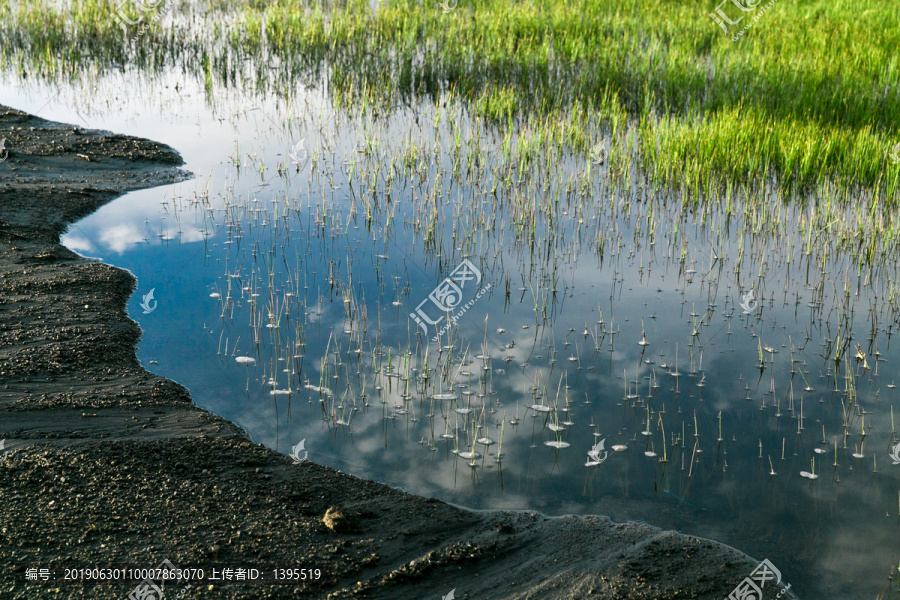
(809, 93)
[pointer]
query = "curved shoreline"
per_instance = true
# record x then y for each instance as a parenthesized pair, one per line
(110, 464)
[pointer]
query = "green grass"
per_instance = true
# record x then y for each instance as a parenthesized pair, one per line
(808, 94)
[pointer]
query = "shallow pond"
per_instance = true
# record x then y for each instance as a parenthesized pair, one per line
(612, 350)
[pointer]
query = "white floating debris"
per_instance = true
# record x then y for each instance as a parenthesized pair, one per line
(215, 295)
(619, 448)
(557, 445)
(244, 360)
(322, 390)
(540, 408)
(470, 455)
(279, 392)
(808, 475)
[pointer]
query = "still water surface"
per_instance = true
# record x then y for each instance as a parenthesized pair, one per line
(617, 322)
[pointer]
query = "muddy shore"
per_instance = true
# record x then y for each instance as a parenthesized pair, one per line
(107, 464)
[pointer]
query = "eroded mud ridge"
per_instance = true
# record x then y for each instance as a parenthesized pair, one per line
(108, 464)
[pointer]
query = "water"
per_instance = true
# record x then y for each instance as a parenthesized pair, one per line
(336, 264)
